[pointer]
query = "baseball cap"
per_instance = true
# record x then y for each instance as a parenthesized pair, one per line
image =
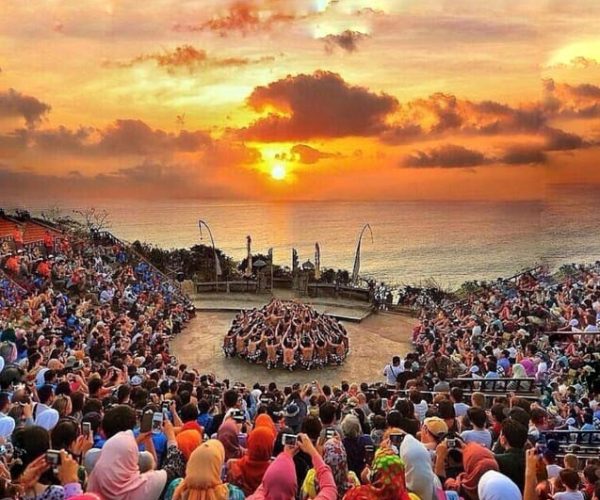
(436, 426)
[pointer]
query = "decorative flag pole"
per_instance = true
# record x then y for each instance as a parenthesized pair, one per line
(271, 264)
(218, 271)
(356, 269)
(249, 263)
(317, 262)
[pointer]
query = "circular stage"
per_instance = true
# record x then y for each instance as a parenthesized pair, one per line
(374, 341)
(288, 334)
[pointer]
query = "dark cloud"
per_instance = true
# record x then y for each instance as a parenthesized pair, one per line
(317, 105)
(346, 40)
(145, 180)
(572, 101)
(303, 153)
(135, 137)
(15, 104)
(578, 62)
(446, 156)
(242, 17)
(523, 155)
(559, 140)
(121, 138)
(189, 58)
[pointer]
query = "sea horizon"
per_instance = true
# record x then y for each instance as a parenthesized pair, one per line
(449, 242)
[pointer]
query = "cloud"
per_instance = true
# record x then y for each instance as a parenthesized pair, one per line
(16, 104)
(138, 138)
(242, 17)
(189, 58)
(317, 105)
(446, 156)
(147, 179)
(579, 62)
(559, 140)
(302, 153)
(455, 156)
(523, 155)
(347, 40)
(443, 113)
(572, 101)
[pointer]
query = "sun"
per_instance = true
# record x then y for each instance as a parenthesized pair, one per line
(278, 172)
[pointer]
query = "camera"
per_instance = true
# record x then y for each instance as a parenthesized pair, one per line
(384, 404)
(396, 439)
(329, 433)
(238, 416)
(53, 458)
(289, 440)
(451, 443)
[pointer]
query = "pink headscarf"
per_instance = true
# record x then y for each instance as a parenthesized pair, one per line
(228, 435)
(279, 482)
(529, 366)
(117, 476)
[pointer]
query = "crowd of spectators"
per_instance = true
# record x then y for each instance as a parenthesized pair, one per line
(93, 406)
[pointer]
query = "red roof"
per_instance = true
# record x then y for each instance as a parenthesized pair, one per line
(33, 231)
(6, 227)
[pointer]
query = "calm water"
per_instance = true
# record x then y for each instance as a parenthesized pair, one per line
(448, 241)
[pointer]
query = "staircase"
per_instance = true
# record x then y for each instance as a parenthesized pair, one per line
(108, 235)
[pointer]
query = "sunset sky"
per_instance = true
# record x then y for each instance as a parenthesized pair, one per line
(298, 99)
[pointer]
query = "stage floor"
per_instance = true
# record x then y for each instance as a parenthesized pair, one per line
(372, 344)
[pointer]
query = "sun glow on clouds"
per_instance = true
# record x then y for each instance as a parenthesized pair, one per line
(565, 55)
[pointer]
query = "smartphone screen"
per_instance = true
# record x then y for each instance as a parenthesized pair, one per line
(157, 421)
(146, 422)
(86, 428)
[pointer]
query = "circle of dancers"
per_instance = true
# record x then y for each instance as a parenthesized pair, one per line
(288, 334)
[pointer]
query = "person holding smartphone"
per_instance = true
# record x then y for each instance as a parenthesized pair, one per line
(280, 480)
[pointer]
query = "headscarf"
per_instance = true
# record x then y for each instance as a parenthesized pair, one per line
(90, 459)
(228, 435)
(248, 471)
(203, 474)
(47, 419)
(528, 366)
(389, 482)
(188, 441)
(116, 474)
(477, 460)
(496, 486)
(7, 426)
(518, 371)
(334, 455)
(279, 482)
(264, 420)
(420, 478)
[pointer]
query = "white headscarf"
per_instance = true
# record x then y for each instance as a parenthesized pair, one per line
(7, 426)
(496, 486)
(519, 371)
(420, 478)
(47, 419)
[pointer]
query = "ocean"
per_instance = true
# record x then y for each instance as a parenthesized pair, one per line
(413, 241)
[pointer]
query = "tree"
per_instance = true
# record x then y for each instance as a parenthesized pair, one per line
(94, 220)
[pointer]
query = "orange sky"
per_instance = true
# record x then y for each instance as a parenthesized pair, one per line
(298, 99)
